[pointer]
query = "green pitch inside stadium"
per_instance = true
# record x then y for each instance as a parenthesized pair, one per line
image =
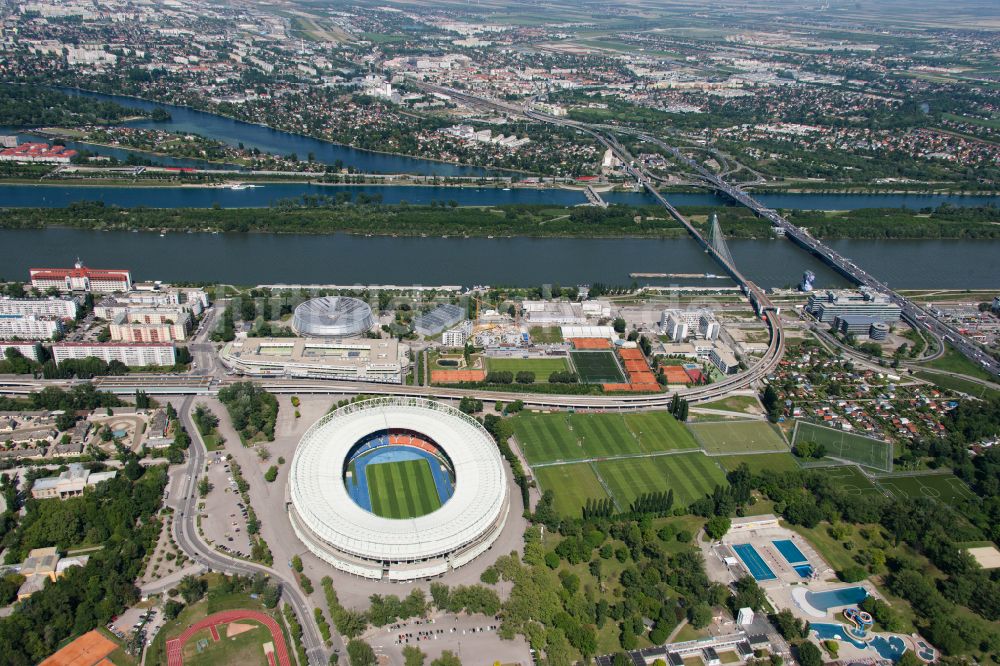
(399, 474)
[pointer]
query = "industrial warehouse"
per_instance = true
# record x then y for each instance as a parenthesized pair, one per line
(347, 513)
(352, 359)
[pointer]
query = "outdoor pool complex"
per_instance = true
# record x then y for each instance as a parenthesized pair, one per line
(891, 648)
(754, 563)
(844, 596)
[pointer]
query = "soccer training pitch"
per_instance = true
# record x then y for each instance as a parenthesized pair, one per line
(403, 489)
(542, 367)
(737, 436)
(945, 487)
(597, 367)
(850, 479)
(571, 485)
(760, 462)
(845, 445)
(690, 475)
(547, 438)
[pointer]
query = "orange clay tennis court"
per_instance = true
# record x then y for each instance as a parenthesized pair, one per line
(453, 376)
(88, 650)
(590, 343)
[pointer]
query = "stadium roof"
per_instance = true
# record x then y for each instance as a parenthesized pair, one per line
(325, 507)
(332, 316)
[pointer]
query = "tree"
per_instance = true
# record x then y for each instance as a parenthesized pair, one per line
(172, 609)
(447, 658)
(271, 474)
(717, 526)
(699, 615)
(413, 656)
(789, 626)
(772, 404)
(809, 654)
(619, 325)
(192, 589)
(360, 653)
(204, 486)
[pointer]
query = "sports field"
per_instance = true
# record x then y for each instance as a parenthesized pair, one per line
(759, 462)
(245, 648)
(851, 480)
(690, 475)
(845, 445)
(546, 438)
(542, 367)
(659, 431)
(402, 489)
(737, 436)
(945, 487)
(572, 485)
(597, 367)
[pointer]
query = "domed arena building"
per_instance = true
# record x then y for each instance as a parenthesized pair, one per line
(333, 317)
(398, 489)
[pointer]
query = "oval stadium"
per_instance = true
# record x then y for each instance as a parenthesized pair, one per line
(332, 317)
(397, 489)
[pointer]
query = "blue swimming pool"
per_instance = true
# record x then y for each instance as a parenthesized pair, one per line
(790, 551)
(754, 563)
(843, 596)
(804, 570)
(119, 433)
(888, 648)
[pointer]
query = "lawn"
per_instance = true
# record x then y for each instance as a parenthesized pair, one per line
(659, 431)
(245, 649)
(953, 361)
(690, 475)
(737, 437)
(945, 487)
(742, 404)
(845, 445)
(542, 367)
(597, 367)
(759, 462)
(545, 335)
(572, 485)
(966, 386)
(402, 489)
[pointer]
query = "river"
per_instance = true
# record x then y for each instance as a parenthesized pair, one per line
(49, 196)
(348, 259)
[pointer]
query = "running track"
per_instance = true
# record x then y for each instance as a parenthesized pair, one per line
(175, 646)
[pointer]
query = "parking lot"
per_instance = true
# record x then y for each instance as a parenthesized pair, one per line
(143, 617)
(448, 631)
(224, 518)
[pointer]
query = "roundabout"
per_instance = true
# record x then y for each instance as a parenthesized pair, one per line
(397, 489)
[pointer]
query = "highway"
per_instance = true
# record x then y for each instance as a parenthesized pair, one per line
(186, 534)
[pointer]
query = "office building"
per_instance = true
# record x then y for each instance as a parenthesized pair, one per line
(828, 305)
(131, 354)
(81, 278)
(28, 327)
(724, 360)
(349, 359)
(64, 308)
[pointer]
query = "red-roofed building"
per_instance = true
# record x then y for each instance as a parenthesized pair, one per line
(81, 278)
(37, 152)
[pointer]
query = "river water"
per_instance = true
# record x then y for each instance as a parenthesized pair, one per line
(349, 259)
(346, 259)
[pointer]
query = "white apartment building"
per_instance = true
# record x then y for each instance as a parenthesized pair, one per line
(724, 360)
(29, 350)
(150, 325)
(682, 324)
(458, 336)
(28, 327)
(64, 308)
(132, 355)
